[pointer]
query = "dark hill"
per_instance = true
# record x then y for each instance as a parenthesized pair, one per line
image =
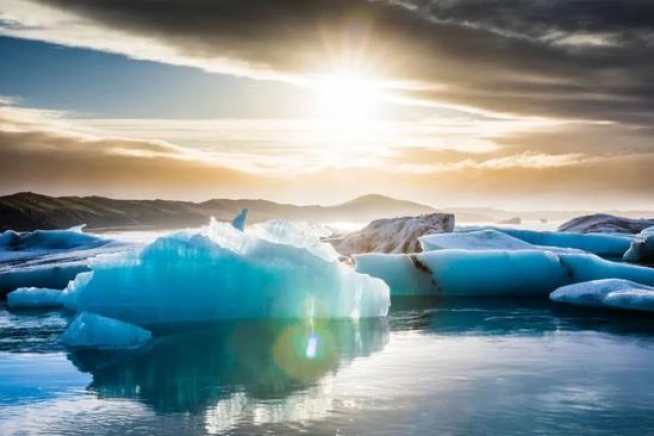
(29, 211)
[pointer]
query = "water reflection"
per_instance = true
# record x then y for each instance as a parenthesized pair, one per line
(232, 363)
(506, 316)
(450, 367)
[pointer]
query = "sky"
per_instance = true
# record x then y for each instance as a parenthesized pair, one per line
(516, 104)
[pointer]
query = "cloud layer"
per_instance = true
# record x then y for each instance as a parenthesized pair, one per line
(52, 153)
(587, 59)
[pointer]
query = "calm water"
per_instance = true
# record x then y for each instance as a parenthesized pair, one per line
(456, 368)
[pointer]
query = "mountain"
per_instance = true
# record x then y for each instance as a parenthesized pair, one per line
(29, 211)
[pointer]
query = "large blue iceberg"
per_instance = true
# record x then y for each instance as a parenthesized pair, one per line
(466, 272)
(451, 272)
(276, 270)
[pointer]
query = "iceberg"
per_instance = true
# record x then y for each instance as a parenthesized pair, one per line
(486, 239)
(49, 240)
(609, 293)
(34, 297)
(240, 220)
(48, 258)
(466, 273)
(641, 249)
(605, 223)
(89, 330)
(587, 267)
(394, 235)
(454, 272)
(52, 274)
(609, 246)
(220, 272)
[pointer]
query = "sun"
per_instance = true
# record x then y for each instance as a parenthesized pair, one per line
(347, 97)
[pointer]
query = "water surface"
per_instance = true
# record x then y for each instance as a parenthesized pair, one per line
(460, 368)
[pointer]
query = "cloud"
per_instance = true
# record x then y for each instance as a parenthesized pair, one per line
(588, 59)
(52, 153)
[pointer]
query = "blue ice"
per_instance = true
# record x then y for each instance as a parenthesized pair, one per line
(220, 272)
(34, 297)
(452, 272)
(609, 293)
(89, 330)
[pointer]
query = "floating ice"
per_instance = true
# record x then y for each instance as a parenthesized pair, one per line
(466, 273)
(610, 246)
(586, 267)
(89, 330)
(49, 240)
(54, 274)
(451, 272)
(605, 223)
(394, 235)
(298, 234)
(239, 221)
(47, 258)
(220, 273)
(34, 297)
(486, 239)
(611, 293)
(642, 248)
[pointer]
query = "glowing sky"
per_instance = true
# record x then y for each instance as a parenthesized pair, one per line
(506, 103)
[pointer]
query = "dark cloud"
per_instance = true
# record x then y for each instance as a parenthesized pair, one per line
(573, 58)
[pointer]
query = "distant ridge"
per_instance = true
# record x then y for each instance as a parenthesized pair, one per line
(30, 211)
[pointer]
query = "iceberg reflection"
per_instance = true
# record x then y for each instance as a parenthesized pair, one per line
(257, 370)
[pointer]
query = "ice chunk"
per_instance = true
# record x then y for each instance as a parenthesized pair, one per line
(394, 235)
(612, 293)
(605, 223)
(68, 296)
(218, 273)
(466, 273)
(487, 239)
(642, 248)
(298, 234)
(239, 221)
(404, 274)
(89, 330)
(587, 267)
(48, 258)
(451, 272)
(483, 239)
(49, 240)
(34, 297)
(610, 246)
(50, 275)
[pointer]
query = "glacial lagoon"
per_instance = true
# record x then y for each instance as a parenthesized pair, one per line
(498, 366)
